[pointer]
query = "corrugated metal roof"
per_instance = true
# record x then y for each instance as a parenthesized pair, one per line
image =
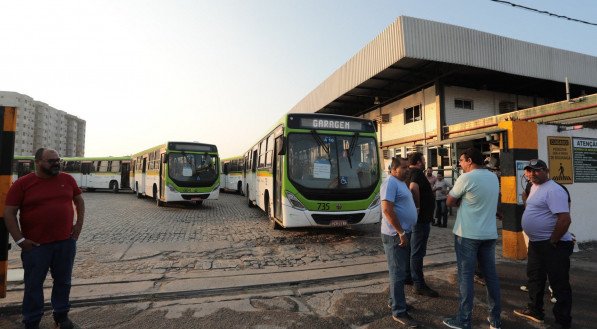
(412, 38)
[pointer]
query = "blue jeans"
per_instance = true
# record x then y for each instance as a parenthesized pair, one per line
(468, 252)
(397, 264)
(58, 258)
(418, 250)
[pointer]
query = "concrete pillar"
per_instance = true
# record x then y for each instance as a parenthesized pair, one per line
(519, 142)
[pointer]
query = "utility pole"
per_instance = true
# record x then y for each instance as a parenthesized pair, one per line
(8, 123)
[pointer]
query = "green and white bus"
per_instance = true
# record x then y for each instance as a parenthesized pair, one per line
(99, 172)
(232, 177)
(89, 173)
(177, 172)
(316, 170)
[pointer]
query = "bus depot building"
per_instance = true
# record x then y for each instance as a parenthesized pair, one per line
(439, 89)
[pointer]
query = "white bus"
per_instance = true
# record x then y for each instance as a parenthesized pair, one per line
(231, 179)
(316, 170)
(90, 173)
(99, 172)
(177, 172)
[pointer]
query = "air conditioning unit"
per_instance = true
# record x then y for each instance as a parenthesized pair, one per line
(386, 154)
(385, 118)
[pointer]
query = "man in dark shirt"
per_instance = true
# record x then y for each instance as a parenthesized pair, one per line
(425, 202)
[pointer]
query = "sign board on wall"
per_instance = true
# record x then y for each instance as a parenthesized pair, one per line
(585, 160)
(521, 180)
(559, 152)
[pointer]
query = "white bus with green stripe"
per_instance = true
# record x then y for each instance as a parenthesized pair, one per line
(232, 177)
(177, 172)
(90, 173)
(316, 170)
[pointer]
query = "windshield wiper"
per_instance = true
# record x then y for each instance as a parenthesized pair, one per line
(321, 143)
(352, 147)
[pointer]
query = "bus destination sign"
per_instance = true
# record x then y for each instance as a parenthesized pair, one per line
(332, 124)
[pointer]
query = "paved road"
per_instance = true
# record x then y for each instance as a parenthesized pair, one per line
(196, 272)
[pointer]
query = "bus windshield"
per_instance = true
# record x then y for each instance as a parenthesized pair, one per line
(317, 161)
(192, 169)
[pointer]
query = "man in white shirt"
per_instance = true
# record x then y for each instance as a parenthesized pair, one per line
(546, 220)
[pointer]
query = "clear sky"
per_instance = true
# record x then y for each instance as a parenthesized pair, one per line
(221, 71)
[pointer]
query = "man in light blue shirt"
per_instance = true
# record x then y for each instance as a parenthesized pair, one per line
(476, 194)
(399, 215)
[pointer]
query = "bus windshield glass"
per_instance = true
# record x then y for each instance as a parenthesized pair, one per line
(188, 168)
(319, 161)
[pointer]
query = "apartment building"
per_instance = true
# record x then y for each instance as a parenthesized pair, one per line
(41, 125)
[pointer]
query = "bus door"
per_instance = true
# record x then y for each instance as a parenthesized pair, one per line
(143, 169)
(278, 162)
(125, 174)
(161, 176)
(85, 173)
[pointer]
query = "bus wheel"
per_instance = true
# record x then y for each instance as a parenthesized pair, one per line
(114, 186)
(159, 202)
(139, 195)
(239, 188)
(251, 205)
(273, 223)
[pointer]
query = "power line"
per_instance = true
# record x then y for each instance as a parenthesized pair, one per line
(544, 12)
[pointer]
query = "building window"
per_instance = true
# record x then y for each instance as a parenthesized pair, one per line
(412, 114)
(463, 104)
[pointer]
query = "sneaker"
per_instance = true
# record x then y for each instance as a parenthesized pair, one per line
(65, 324)
(552, 298)
(530, 314)
(406, 320)
(453, 323)
(524, 288)
(408, 307)
(426, 291)
(493, 325)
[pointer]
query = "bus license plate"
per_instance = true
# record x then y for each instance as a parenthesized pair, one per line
(196, 199)
(338, 222)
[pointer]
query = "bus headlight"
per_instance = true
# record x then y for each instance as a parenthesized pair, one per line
(171, 188)
(294, 201)
(375, 202)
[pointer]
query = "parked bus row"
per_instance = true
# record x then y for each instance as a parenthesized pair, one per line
(89, 173)
(308, 170)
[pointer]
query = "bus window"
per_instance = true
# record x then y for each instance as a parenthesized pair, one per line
(270, 151)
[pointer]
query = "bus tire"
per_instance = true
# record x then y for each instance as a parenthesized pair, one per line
(155, 192)
(114, 186)
(159, 202)
(268, 210)
(239, 188)
(249, 202)
(139, 195)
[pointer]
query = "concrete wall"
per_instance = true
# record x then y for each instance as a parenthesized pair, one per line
(583, 208)
(486, 103)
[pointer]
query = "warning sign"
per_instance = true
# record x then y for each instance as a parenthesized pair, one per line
(585, 160)
(559, 151)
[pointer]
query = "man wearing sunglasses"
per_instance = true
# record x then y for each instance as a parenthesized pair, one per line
(546, 220)
(47, 235)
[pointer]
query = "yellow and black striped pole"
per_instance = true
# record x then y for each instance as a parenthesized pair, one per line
(8, 123)
(520, 144)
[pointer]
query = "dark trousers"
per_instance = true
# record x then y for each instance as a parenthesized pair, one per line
(441, 213)
(546, 261)
(418, 250)
(58, 258)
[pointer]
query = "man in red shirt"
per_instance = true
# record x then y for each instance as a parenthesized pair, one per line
(47, 236)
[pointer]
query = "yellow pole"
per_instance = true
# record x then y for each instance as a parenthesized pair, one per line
(8, 123)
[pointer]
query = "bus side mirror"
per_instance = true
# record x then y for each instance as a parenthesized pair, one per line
(165, 158)
(281, 145)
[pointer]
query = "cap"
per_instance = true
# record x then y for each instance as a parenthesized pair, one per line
(536, 164)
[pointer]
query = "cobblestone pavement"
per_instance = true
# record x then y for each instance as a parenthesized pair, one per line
(124, 235)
